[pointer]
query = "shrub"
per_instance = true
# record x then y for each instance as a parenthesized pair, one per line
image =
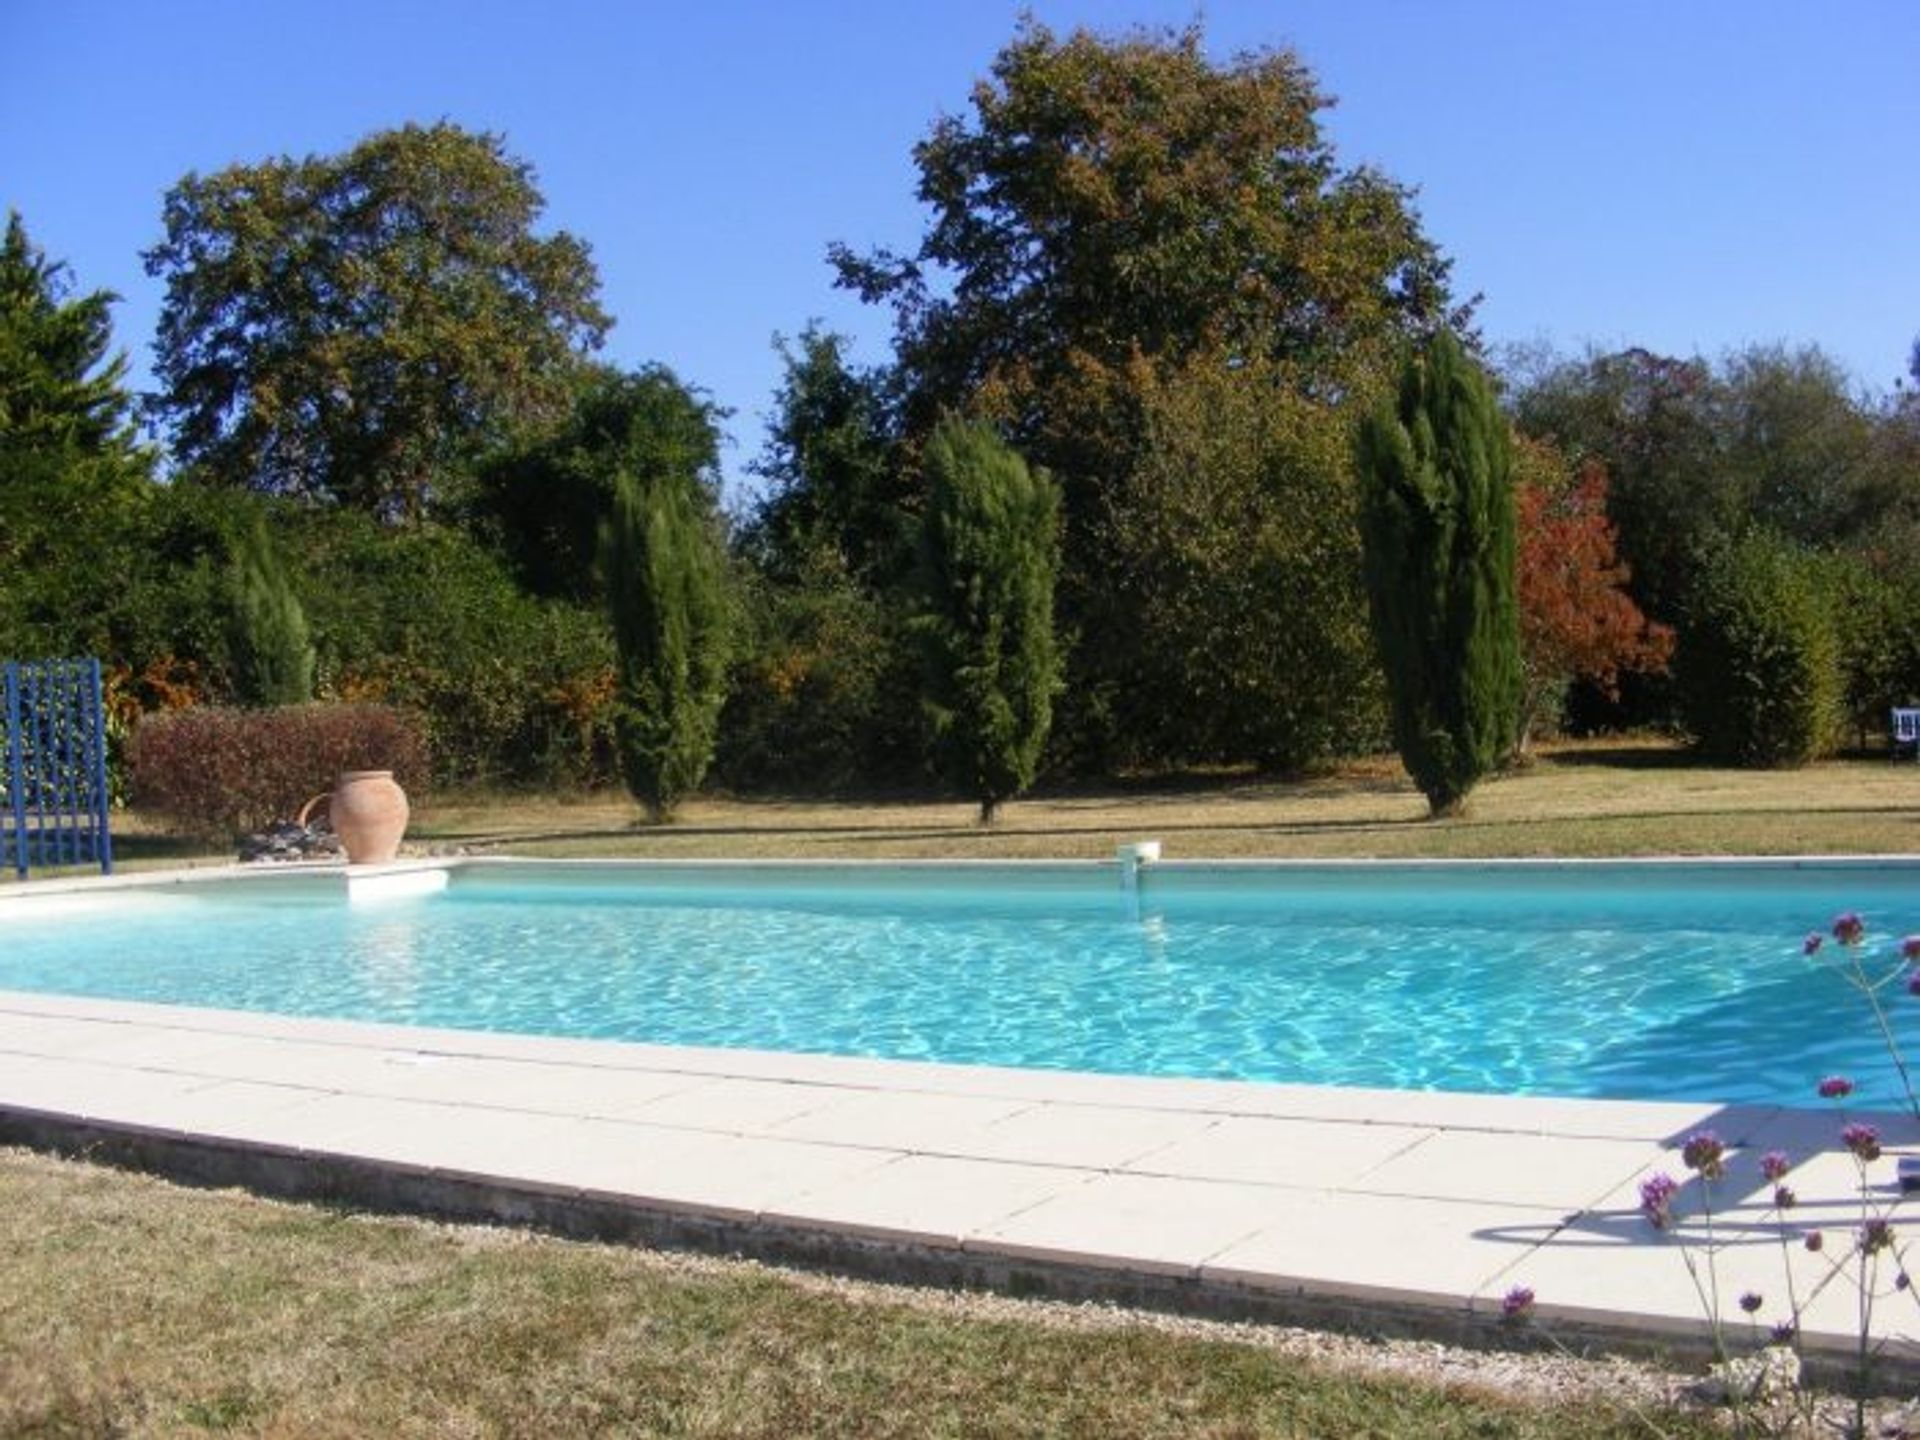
(1879, 649)
(504, 687)
(1234, 556)
(824, 694)
(1758, 659)
(217, 772)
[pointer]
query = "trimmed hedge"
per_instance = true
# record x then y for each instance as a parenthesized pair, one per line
(1759, 661)
(219, 772)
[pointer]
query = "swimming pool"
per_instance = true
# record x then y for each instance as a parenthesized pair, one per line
(1614, 979)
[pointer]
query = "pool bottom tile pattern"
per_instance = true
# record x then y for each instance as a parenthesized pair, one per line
(1405, 1205)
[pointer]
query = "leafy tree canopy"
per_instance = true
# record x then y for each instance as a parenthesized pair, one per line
(546, 500)
(62, 402)
(1697, 453)
(1577, 621)
(356, 327)
(1108, 196)
(840, 497)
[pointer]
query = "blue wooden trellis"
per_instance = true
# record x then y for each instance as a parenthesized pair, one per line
(53, 784)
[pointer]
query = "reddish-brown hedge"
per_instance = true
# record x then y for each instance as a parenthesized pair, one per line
(220, 772)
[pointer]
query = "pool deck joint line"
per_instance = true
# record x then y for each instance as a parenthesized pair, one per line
(1406, 1211)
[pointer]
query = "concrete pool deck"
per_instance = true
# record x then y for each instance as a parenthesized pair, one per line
(1404, 1210)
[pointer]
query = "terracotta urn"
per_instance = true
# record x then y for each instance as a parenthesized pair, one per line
(369, 814)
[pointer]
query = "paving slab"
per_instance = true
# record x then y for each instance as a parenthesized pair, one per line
(1088, 1136)
(1318, 1154)
(913, 1121)
(929, 1199)
(1152, 1223)
(1387, 1248)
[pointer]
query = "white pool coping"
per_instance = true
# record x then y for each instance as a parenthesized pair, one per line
(1406, 1207)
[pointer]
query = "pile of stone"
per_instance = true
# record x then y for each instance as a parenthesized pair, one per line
(287, 841)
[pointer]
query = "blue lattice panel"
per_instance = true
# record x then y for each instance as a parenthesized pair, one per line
(53, 783)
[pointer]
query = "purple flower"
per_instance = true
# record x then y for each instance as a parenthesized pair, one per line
(1814, 1241)
(1901, 1282)
(1784, 1198)
(1705, 1153)
(1751, 1302)
(1849, 929)
(1875, 1235)
(1835, 1087)
(1656, 1199)
(1913, 982)
(1862, 1140)
(1518, 1302)
(1774, 1165)
(1910, 947)
(1813, 942)
(1783, 1332)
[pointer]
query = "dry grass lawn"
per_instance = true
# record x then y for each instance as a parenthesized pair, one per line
(137, 1308)
(1645, 798)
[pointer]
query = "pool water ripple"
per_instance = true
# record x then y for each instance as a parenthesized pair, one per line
(1619, 983)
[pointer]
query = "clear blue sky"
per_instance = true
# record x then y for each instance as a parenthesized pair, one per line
(1689, 175)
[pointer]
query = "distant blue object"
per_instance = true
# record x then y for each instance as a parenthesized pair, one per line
(53, 786)
(1906, 730)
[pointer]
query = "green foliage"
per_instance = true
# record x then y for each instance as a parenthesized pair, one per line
(1108, 197)
(1878, 642)
(358, 327)
(666, 585)
(272, 655)
(218, 772)
(1651, 422)
(840, 492)
(1108, 210)
(545, 502)
(506, 687)
(138, 575)
(1758, 658)
(823, 695)
(1239, 543)
(989, 554)
(64, 414)
(1437, 517)
(1696, 453)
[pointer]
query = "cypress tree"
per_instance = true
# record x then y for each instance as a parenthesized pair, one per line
(1437, 521)
(988, 559)
(666, 589)
(267, 634)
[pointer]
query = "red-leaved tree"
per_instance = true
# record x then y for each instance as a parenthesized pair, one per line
(1577, 621)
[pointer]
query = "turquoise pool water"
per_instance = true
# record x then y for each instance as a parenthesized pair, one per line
(1663, 982)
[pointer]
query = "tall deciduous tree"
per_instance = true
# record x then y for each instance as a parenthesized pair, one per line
(1110, 208)
(357, 327)
(1437, 520)
(1114, 196)
(989, 552)
(664, 570)
(1577, 620)
(64, 411)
